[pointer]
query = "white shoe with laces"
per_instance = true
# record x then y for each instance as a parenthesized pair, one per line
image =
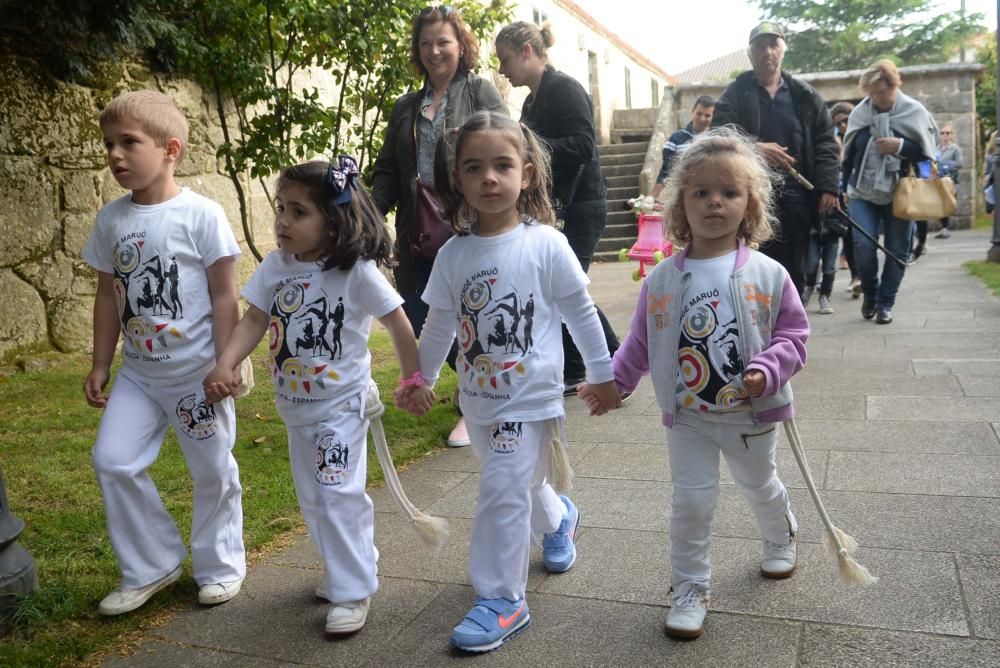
(347, 617)
(220, 592)
(825, 307)
(779, 560)
(122, 600)
(686, 618)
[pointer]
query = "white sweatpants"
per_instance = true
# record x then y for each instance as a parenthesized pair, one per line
(514, 503)
(143, 535)
(329, 466)
(694, 444)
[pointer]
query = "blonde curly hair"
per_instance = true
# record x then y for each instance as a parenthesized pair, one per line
(727, 151)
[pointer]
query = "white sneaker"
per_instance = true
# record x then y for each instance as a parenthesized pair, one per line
(779, 560)
(459, 436)
(120, 601)
(686, 618)
(943, 234)
(347, 617)
(220, 592)
(825, 307)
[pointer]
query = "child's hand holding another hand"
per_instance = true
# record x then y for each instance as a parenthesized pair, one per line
(755, 382)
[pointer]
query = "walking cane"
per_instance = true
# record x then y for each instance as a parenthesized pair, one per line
(840, 545)
(844, 216)
(433, 531)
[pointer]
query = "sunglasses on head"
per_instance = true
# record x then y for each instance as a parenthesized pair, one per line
(444, 10)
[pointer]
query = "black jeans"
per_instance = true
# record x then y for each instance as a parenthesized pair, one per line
(790, 244)
(415, 308)
(585, 223)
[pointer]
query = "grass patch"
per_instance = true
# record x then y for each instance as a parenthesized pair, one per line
(982, 221)
(46, 434)
(987, 272)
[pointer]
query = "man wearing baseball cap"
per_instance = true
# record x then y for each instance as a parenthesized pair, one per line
(794, 131)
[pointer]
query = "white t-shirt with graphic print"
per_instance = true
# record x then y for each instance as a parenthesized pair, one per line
(318, 332)
(158, 255)
(502, 290)
(710, 369)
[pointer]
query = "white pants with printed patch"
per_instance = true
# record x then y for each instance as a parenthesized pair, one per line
(329, 465)
(694, 444)
(143, 535)
(514, 503)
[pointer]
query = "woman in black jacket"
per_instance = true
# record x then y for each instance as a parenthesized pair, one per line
(562, 115)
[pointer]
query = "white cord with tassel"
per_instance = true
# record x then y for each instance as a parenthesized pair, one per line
(560, 470)
(840, 545)
(433, 531)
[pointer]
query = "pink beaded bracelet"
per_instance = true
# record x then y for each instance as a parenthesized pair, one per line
(416, 380)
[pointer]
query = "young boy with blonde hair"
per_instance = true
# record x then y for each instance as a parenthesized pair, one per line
(166, 260)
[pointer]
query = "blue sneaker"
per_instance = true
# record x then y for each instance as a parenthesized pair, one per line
(559, 547)
(490, 623)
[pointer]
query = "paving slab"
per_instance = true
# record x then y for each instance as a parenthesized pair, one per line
(953, 475)
(958, 366)
(946, 409)
(976, 438)
(981, 583)
(836, 646)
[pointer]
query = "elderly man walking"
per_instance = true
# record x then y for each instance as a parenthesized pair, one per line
(795, 132)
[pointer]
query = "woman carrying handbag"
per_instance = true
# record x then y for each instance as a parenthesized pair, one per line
(886, 133)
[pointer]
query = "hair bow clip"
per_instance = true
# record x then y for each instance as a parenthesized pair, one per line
(349, 165)
(338, 180)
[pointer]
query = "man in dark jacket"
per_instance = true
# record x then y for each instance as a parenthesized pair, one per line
(794, 131)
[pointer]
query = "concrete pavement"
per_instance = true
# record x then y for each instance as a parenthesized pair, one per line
(900, 424)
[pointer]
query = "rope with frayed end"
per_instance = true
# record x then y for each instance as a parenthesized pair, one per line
(433, 531)
(840, 545)
(560, 473)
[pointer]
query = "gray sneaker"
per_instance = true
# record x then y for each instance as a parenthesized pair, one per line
(825, 307)
(807, 293)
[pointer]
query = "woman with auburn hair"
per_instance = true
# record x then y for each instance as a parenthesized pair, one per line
(886, 133)
(445, 51)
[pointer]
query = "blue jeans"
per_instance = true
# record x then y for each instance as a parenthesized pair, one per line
(823, 248)
(897, 240)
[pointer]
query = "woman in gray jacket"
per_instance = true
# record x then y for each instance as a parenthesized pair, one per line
(445, 51)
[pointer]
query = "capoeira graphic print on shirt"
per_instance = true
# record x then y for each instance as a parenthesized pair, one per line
(710, 369)
(305, 330)
(494, 333)
(147, 293)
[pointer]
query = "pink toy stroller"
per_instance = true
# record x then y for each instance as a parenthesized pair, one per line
(650, 248)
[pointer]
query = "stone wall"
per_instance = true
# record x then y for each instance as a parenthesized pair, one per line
(53, 180)
(948, 91)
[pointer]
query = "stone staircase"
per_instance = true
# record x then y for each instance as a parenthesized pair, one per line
(621, 163)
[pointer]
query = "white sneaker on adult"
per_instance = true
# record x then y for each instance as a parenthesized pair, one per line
(459, 436)
(220, 592)
(347, 617)
(122, 600)
(825, 307)
(779, 560)
(686, 618)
